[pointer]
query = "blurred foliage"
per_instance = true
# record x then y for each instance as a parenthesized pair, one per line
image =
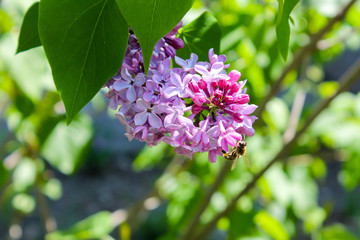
(298, 198)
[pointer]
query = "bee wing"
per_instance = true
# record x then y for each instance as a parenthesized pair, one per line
(247, 161)
(234, 164)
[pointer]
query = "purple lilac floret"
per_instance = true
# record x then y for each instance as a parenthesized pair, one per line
(198, 107)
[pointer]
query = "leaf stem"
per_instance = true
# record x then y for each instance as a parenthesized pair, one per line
(347, 79)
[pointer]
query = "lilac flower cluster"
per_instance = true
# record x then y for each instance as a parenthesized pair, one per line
(197, 107)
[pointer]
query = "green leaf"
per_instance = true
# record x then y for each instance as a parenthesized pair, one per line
(29, 33)
(85, 43)
(152, 19)
(280, 11)
(149, 157)
(283, 27)
(66, 145)
(97, 226)
(271, 226)
(199, 36)
(335, 232)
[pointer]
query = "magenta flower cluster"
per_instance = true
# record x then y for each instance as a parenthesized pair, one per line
(197, 107)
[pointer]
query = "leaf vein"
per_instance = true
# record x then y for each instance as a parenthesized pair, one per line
(86, 58)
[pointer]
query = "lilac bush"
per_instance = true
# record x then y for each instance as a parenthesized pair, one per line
(197, 107)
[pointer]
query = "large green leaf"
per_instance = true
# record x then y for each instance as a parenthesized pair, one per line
(152, 19)
(199, 36)
(85, 43)
(29, 33)
(97, 226)
(283, 27)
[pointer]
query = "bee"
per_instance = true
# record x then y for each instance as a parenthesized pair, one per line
(236, 153)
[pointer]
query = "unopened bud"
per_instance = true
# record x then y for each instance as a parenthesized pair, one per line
(194, 87)
(199, 99)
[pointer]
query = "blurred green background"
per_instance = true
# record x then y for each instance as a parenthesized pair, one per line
(86, 181)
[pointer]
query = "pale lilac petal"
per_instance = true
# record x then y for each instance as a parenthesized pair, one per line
(155, 121)
(131, 94)
(142, 105)
(201, 69)
(181, 62)
(126, 75)
(223, 143)
(216, 68)
(212, 156)
(249, 109)
(193, 59)
(120, 85)
(175, 79)
(231, 141)
(171, 91)
(205, 138)
(141, 118)
(139, 79)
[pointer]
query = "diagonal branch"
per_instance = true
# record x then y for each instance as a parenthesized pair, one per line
(348, 78)
(301, 54)
(205, 202)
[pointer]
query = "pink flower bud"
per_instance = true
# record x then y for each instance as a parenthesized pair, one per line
(228, 99)
(243, 99)
(214, 84)
(178, 43)
(234, 88)
(202, 84)
(194, 87)
(222, 83)
(234, 75)
(218, 93)
(215, 101)
(196, 109)
(238, 118)
(222, 105)
(199, 99)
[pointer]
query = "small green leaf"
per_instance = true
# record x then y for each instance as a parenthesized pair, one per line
(283, 27)
(97, 226)
(85, 43)
(152, 19)
(271, 226)
(199, 36)
(66, 146)
(29, 33)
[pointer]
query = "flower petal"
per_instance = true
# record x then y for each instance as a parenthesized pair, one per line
(131, 94)
(155, 121)
(141, 118)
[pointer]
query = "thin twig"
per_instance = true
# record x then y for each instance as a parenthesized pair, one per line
(346, 81)
(300, 55)
(297, 106)
(205, 202)
(47, 219)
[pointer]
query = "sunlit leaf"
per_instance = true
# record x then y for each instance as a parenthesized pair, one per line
(97, 226)
(336, 232)
(85, 43)
(271, 226)
(152, 19)
(29, 33)
(23, 203)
